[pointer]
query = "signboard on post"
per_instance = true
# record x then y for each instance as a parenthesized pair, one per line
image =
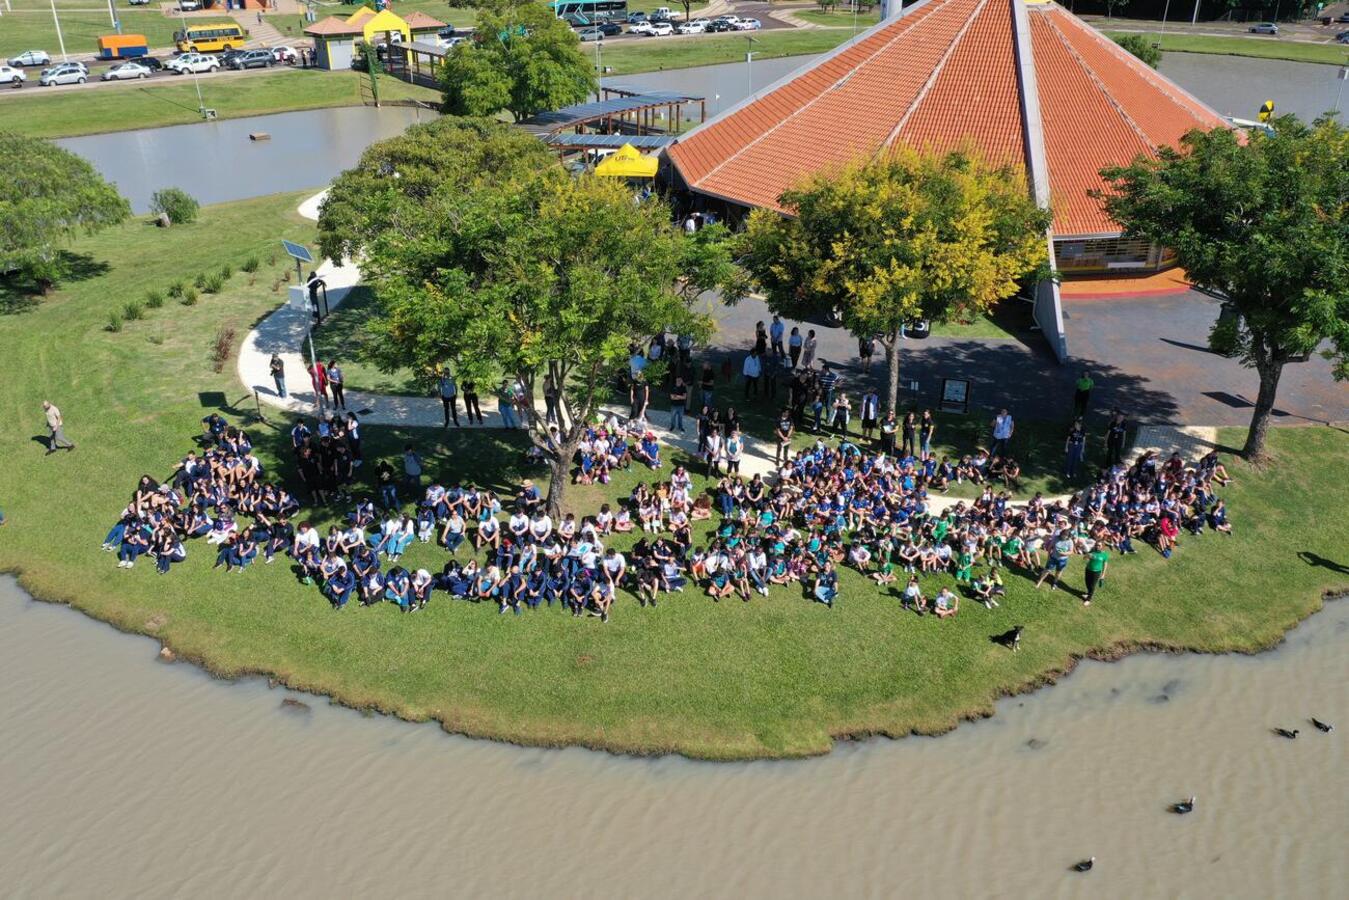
(955, 395)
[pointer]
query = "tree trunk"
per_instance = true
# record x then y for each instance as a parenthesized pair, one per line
(1270, 373)
(892, 373)
(559, 473)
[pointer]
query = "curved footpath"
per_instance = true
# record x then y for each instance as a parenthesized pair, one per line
(283, 332)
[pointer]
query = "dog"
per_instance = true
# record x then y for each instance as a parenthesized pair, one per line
(1009, 639)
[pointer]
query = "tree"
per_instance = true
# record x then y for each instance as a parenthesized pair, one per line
(175, 203)
(526, 272)
(906, 237)
(523, 60)
(1141, 46)
(50, 195)
(1258, 220)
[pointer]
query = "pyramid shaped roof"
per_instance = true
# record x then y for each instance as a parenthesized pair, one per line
(1022, 81)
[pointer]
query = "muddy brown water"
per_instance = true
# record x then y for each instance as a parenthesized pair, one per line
(122, 775)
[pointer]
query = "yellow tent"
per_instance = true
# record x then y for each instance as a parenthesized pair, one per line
(374, 23)
(628, 163)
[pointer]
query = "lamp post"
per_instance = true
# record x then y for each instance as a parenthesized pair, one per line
(59, 40)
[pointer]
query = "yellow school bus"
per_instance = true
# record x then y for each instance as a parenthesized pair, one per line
(210, 38)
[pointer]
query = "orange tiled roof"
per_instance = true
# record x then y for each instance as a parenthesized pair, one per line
(333, 25)
(944, 74)
(420, 21)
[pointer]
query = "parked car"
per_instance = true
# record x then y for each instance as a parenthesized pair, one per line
(137, 2)
(151, 62)
(661, 14)
(691, 28)
(12, 76)
(1264, 28)
(590, 34)
(253, 59)
(748, 25)
(641, 28)
(124, 71)
(1343, 19)
(32, 58)
(192, 62)
(636, 18)
(65, 73)
(284, 53)
(610, 28)
(719, 26)
(228, 57)
(661, 29)
(189, 5)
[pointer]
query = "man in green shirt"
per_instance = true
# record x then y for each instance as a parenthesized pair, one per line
(1096, 563)
(1082, 393)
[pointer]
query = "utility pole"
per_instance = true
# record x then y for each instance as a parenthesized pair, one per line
(59, 40)
(1194, 19)
(112, 14)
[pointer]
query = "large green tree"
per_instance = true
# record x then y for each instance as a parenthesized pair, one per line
(1259, 220)
(886, 241)
(48, 196)
(521, 271)
(522, 59)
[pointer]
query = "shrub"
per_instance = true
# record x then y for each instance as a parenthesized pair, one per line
(220, 349)
(176, 203)
(250, 265)
(213, 284)
(154, 299)
(200, 281)
(114, 322)
(226, 273)
(1141, 46)
(176, 289)
(133, 310)
(189, 297)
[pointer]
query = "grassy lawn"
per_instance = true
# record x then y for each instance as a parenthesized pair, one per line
(776, 677)
(174, 102)
(653, 54)
(838, 18)
(30, 27)
(1261, 47)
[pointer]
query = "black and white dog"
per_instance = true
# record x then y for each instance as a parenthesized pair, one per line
(1009, 639)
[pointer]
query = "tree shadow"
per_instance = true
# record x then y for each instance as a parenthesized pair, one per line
(20, 293)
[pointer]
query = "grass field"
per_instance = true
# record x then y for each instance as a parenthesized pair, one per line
(838, 18)
(654, 54)
(1260, 47)
(174, 102)
(776, 677)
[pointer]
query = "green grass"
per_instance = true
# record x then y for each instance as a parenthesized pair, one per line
(838, 18)
(1255, 45)
(30, 27)
(175, 102)
(653, 54)
(775, 677)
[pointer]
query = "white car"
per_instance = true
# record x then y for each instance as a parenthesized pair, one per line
(748, 25)
(643, 28)
(660, 29)
(192, 62)
(32, 58)
(12, 76)
(691, 28)
(124, 71)
(137, 2)
(65, 73)
(189, 5)
(285, 54)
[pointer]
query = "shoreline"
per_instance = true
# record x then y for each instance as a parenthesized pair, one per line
(1045, 680)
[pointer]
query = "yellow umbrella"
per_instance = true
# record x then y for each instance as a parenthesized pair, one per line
(628, 162)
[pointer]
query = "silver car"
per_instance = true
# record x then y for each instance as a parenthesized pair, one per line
(65, 73)
(1264, 28)
(126, 70)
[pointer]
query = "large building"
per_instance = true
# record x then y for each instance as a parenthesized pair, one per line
(1021, 81)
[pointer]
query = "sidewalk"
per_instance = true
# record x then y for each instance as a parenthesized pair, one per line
(284, 331)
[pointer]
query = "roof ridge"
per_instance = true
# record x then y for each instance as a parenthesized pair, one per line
(909, 22)
(1100, 86)
(932, 78)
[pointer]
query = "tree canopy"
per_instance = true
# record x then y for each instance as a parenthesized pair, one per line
(887, 241)
(523, 59)
(50, 195)
(1259, 220)
(524, 272)
(1142, 46)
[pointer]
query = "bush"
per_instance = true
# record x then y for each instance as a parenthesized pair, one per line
(133, 311)
(220, 350)
(114, 322)
(1141, 46)
(200, 281)
(226, 273)
(176, 289)
(189, 297)
(176, 203)
(250, 265)
(212, 284)
(154, 299)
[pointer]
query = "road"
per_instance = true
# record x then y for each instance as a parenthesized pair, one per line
(95, 84)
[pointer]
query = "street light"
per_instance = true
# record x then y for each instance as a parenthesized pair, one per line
(59, 40)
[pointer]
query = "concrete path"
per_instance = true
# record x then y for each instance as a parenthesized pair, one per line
(1192, 441)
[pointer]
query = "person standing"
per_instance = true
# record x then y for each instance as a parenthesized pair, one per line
(506, 403)
(909, 433)
(784, 431)
(1003, 428)
(679, 403)
(471, 408)
(1059, 554)
(760, 338)
(278, 369)
(1082, 394)
(55, 429)
(871, 405)
(927, 427)
(639, 392)
(1115, 434)
(866, 348)
(1097, 561)
(707, 381)
(449, 397)
(752, 369)
(354, 439)
(775, 333)
(552, 401)
(412, 469)
(1074, 449)
(794, 343)
(336, 384)
(772, 370)
(888, 428)
(828, 382)
(808, 349)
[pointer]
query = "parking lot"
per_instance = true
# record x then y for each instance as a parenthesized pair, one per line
(97, 67)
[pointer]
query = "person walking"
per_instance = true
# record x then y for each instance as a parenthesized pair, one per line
(1003, 428)
(449, 397)
(1074, 449)
(679, 403)
(1082, 394)
(278, 369)
(471, 408)
(752, 369)
(1115, 434)
(55, 429)
(336, 384)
